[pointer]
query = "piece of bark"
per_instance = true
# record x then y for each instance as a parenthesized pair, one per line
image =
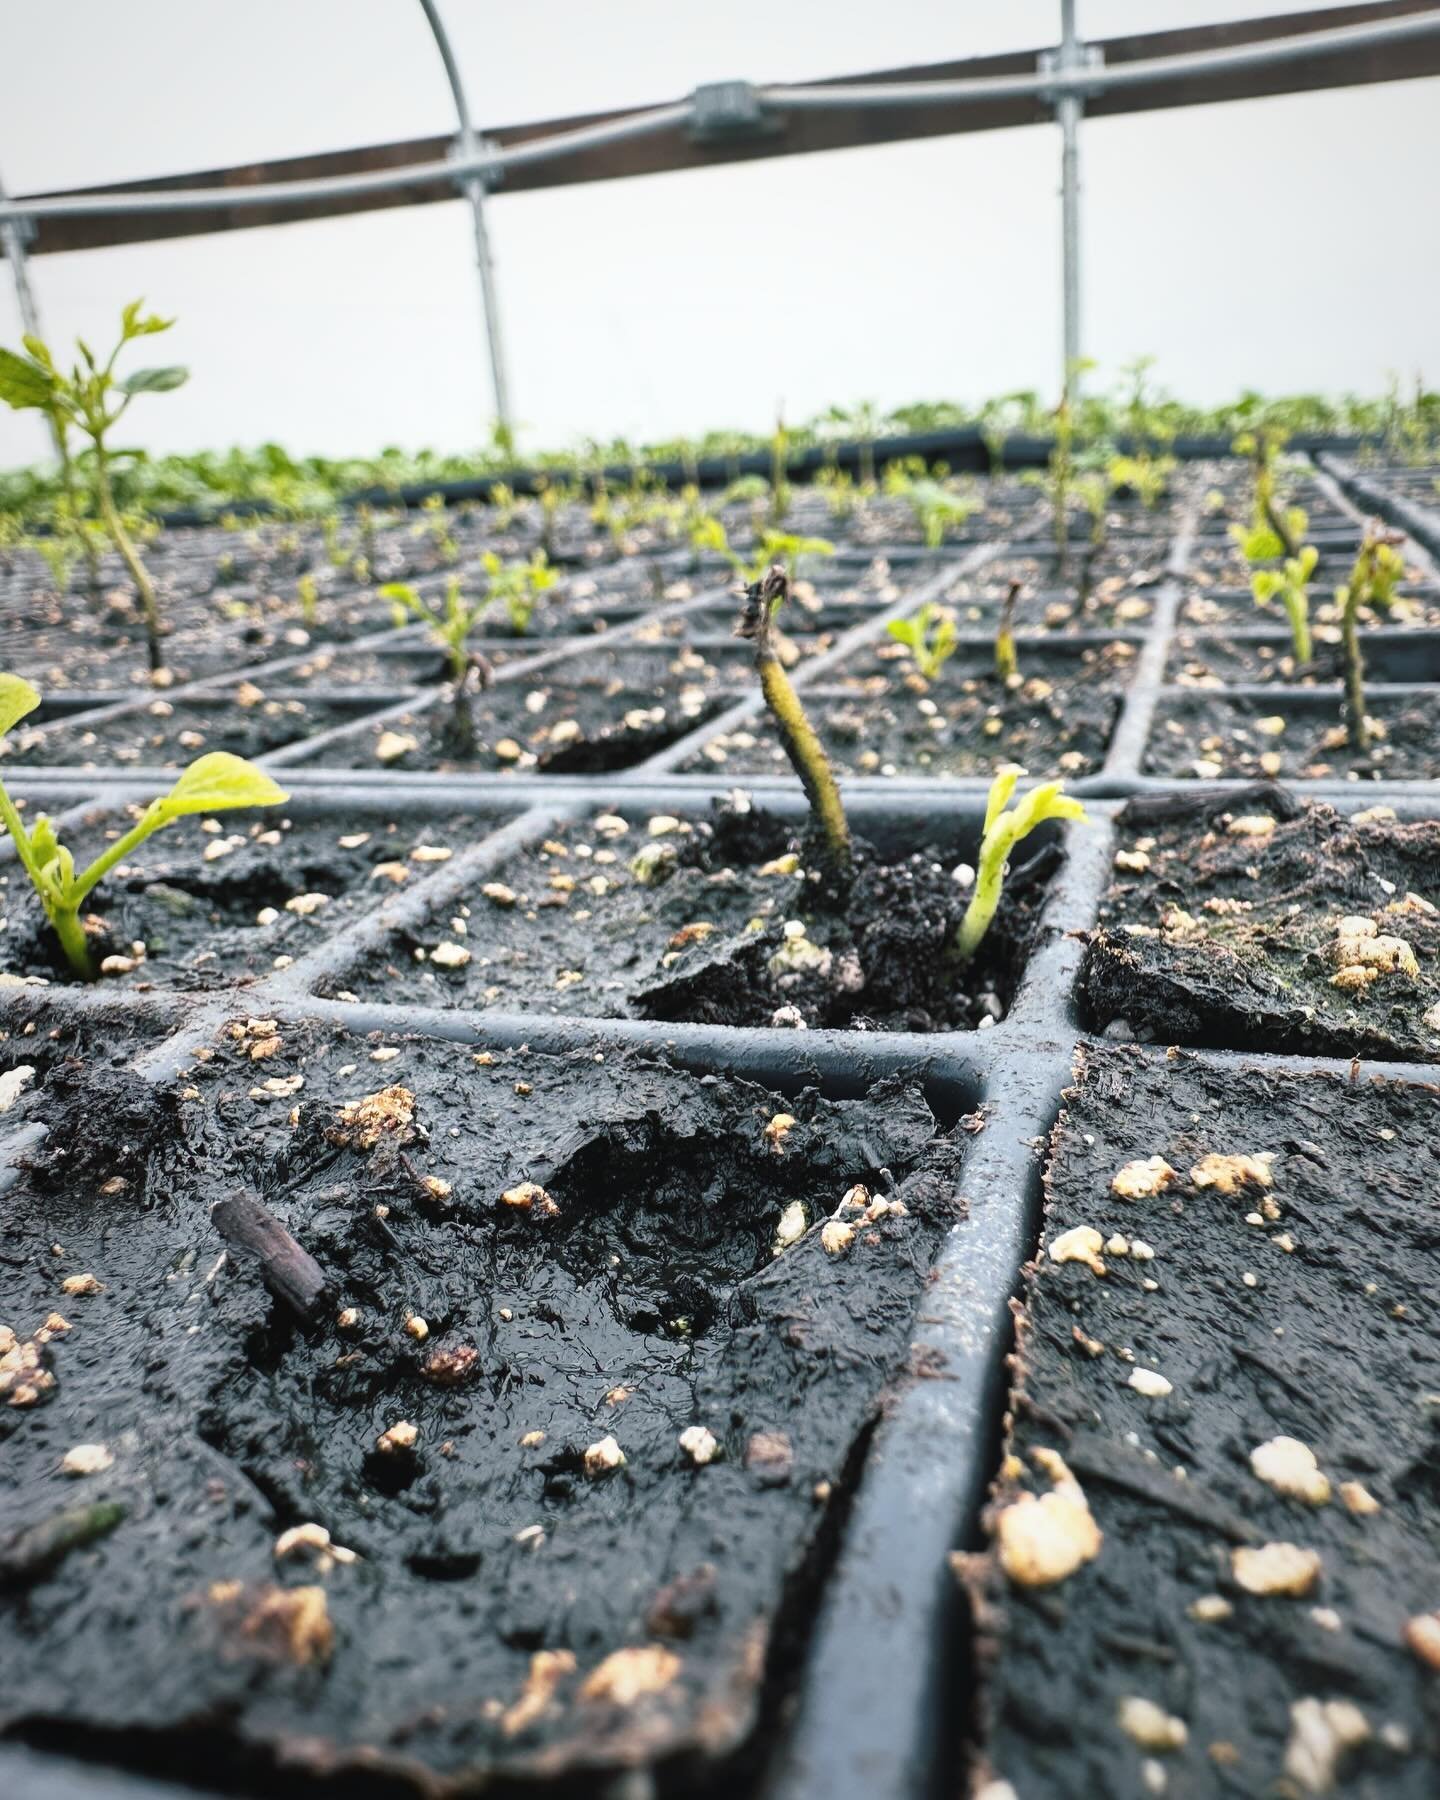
(287, 1268)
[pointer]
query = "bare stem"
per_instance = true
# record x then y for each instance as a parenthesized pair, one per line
(802, 745)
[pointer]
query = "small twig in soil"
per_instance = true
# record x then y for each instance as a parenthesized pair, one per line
(1112, 1465)
(287, 1268)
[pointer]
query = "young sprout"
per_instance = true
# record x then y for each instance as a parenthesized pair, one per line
(1274, 530)
(763, 599)
(502, 498)
(93, 399)
(779, 473)
(838, 488)
(1005, 827)
(1061, 473)
(452, 629)
(215, 783)
(938, 509)
(518, 586)
(437, 525)
(1007, 664)
(930, 638)
(1292, 585)
(1378, 571)
(307, 592)
(1144, 475)
(1092, 490)
(784, 547)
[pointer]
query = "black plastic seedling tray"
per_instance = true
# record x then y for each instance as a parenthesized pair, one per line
(874, 1689)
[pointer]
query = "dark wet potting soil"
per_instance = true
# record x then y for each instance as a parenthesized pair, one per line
(211, 906)
(1213, 735)
(438, 1519)
(1298, 1307)
(172, 733)
(731, 926)
(602, 710)
(1223, 926)
(1054, 719)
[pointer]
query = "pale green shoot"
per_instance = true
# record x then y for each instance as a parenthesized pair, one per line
(929, 636)
(1291, 585)
(1005, 827)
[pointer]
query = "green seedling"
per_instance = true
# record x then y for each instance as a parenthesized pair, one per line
(93, 399)
(839, 490)
(1005, 827)
(1291, 585)
(1092, 490)
(763, 600)
(1007, 663)
(307, 592)
(1275, 529)
(215, 783)
(506, 506)
(452, 627)
(929, 636)
(1144, 475)
(436, 526)
(779, 474)
(784, 547)
(554, 495)
(1379, 569)
(518, 586)
(938, 509)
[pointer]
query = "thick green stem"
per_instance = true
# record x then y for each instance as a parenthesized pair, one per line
(130, 557)
(989, 881)
(73, 940)
(807, 756)
(72, 495)
(1297, 605)
(1357, 729)
(1006, 661)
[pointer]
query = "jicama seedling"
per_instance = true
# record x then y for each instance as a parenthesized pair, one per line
(1292, 584)
(929, 636)
(938, 509)
(1379, 569)
(1007, 664)
(307, 592)
(783, 547)
(518, 586)
(436, 525)
(839, 490)
(215, 783)
(1146, 476)
(1092, 490)
(93, 399)
(1005, 827)
(452, 628)
(763, 599)
(1275, 529)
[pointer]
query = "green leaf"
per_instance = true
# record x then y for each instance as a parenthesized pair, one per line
(40, 350)
(24, 383)
(133, 326)
(17, 698)
(154, 381)
(217, 783)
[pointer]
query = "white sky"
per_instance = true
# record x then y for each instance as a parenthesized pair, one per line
(1283, 244)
